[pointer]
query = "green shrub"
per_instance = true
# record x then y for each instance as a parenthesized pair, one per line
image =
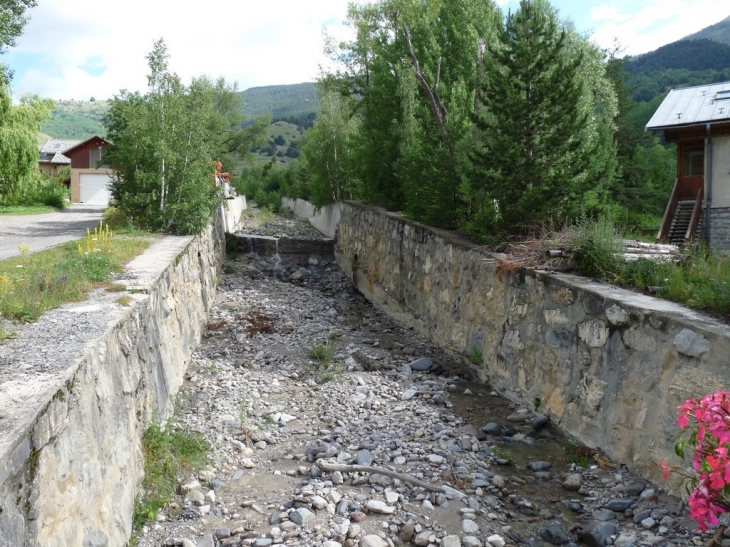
(598, 246)
(37, 189)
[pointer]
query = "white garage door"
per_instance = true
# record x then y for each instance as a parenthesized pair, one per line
(94, 188)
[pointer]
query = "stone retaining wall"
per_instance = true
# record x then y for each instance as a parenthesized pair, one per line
(719, 228)
(71, 425)
(609, 365)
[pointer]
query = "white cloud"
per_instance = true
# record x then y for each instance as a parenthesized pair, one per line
(254, 43)
(655, 23)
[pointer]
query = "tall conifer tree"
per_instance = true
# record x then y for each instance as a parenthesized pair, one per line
(531, 151)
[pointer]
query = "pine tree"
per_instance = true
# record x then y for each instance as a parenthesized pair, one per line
(531, 156)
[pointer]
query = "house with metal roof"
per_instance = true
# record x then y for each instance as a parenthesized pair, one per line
(697, 120)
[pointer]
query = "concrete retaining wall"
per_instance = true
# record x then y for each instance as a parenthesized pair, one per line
(324, 219)
(231, 211)
(609, 365)
(71, 421)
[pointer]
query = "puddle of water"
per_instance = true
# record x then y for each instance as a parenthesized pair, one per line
(533, 501)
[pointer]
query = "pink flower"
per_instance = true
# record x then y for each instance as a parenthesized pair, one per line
(708, 423)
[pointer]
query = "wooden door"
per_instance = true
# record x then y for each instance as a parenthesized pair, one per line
(690, 168)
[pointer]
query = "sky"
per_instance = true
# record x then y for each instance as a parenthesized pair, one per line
(78, 49)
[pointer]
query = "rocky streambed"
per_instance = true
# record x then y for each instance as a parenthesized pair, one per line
(333, 425)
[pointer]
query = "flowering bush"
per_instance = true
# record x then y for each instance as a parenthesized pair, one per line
(707, 420)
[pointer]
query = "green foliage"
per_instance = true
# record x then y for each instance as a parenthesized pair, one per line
(539, 147)
(76, 120)
(703, 282)
(719, 32)
(576, 455)
(475, 355)
(598, 245)
(162, 150)
(32, 284)
(232, 134)
(18, 149)
(330, 152)
(410, 77)
(168, 455)
(37, 189)
(504, 454)
(281, 101)
(266, 184)
(321, 352)
(693, 55)
(12, 21)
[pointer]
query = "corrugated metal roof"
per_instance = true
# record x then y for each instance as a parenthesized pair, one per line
(692, 106)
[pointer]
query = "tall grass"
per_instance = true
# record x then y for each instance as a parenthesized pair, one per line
(168, 454)
(32, 284)
(701, 281)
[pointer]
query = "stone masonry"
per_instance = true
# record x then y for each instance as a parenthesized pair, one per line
(609, 365)
(79, 387)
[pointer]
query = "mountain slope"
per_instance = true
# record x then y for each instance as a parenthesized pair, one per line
(719, 32)
(696, 54)
(76, 120)
(282, 101)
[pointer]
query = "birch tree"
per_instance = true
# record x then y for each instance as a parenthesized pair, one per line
(162, 151)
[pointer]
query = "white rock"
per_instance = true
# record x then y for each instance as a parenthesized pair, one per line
(392, 497)
(189, 487)
(318, 502)
(496, 541)
(422, 539)
(408, 394)
(470, 541)
(380, 507)
(451, 541)
(469, 527)
(372, 540)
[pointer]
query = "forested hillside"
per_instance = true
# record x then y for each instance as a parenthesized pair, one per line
(296, 103)
(702, 54)
(281, 101)
(719, 32)
(679, 64)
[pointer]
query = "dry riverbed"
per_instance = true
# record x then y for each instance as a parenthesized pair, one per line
(292, 435)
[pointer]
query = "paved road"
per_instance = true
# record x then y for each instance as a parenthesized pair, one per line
(42, 231)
